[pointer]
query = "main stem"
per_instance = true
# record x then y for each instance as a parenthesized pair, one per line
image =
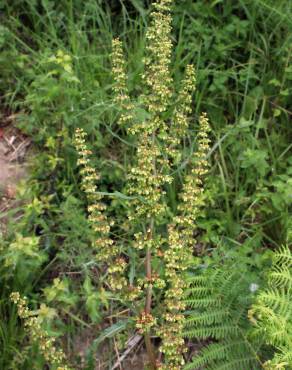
(148, 268)
(148, 343)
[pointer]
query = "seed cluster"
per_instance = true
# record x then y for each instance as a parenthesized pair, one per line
(145, 322)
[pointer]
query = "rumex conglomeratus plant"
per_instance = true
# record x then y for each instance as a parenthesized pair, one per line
(162, 242)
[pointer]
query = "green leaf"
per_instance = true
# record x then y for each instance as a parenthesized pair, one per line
(93, 306)
(255, 158)
(111, 331)
(275, 82)
(284, 92)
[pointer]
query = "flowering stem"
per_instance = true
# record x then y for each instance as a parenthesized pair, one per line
(149, 270)
(149, 288)
(149, 346)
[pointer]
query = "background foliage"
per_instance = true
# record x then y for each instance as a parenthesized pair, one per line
(60, 79)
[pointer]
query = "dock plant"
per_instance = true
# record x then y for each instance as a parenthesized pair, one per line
(128, 241)
(162, 242)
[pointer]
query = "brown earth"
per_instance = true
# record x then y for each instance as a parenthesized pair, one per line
(13, 166)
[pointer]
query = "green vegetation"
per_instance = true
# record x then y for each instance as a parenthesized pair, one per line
(219, 298)
(142, 217)
(271, 312)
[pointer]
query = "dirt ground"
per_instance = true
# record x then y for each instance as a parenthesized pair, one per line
(14, 147)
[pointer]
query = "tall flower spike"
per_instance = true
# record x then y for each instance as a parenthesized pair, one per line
(180, 124)
(149, 176)
(146, 180)
(173, 320)
(178, 255)
(105, 249)
(192, 193)
(157, 76)
(121, 94)
(37, 334)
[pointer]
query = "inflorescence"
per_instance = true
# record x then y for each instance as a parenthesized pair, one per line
(105, 249)
(180, 249)
(159, 134)
(38, 335)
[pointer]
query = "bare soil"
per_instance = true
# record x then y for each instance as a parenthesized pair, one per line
(13, 165)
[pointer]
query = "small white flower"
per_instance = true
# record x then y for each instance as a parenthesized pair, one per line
(253, 287)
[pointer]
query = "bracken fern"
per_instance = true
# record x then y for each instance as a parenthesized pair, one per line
(272, 312)
(218, 301)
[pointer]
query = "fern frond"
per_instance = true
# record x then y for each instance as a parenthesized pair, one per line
(196, 280)
(201, 303)
(283, 258)
(279, 301)
(206, 318)
(281, 276)
(208, 354)
(219, 299)
(213, 331)
(239, 363)
(199, 291)
(214, 357)
(284, 355)
(272, 313)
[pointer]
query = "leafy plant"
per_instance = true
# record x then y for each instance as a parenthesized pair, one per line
(271, 314)
(218, 299)
(33, 323)
(158, 133)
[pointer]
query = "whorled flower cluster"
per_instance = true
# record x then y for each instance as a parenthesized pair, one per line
(158, 140)
(173, 320)
(157, 76)
(193, 189)
(147, 179)
(180, 249)
(157, 136)
(32, 324)
(106, 251)
(121, 96)
(180, 122)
